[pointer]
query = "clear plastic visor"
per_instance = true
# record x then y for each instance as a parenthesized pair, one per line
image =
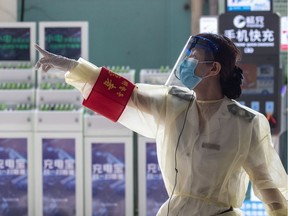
(193, 42)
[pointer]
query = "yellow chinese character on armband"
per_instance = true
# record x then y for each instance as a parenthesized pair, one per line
(109, 84)
(113, 74)
(122, 88)
(120, 94)
(125, 83)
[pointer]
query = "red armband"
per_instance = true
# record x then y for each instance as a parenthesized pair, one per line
(109, 95)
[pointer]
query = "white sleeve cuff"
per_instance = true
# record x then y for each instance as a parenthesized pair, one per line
(83, 76)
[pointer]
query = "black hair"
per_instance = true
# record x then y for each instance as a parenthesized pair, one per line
(227, 55)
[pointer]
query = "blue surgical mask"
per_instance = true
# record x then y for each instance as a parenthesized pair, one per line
(187, 73)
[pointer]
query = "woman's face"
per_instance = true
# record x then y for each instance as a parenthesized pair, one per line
(202, 69)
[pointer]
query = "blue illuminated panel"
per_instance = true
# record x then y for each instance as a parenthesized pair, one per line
(65, 41)
(15, 44)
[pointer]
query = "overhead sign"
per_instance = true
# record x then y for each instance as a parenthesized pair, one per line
(208, 24)
(248, 5)
(284, 33)
(252, 33)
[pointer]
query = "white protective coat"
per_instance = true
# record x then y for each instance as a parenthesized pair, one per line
(221, 142)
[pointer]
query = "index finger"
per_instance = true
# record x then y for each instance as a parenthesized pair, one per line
(42, 51)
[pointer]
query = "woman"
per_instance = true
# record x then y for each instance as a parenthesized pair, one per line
(207, 143)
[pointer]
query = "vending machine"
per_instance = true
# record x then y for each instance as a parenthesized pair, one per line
(58, 173)
(262, 82)
(17, 102)
(58, 147)
(260, 56)
(151, 189)
(108, 162)
(58, 129)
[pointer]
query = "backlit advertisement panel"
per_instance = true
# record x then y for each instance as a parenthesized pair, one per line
(13, 177)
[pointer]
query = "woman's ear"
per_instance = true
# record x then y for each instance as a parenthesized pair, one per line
(216, 68)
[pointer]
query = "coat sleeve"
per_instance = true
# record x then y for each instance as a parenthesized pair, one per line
(83, 76)
(146, 110)
(104, 92)
(265, 170)
(138, 107)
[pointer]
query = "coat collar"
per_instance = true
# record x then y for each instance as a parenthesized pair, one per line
(221, 115)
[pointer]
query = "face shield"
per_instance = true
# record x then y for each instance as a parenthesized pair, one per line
(196, 42)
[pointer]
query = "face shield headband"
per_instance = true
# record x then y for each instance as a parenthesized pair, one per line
(193, 42)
